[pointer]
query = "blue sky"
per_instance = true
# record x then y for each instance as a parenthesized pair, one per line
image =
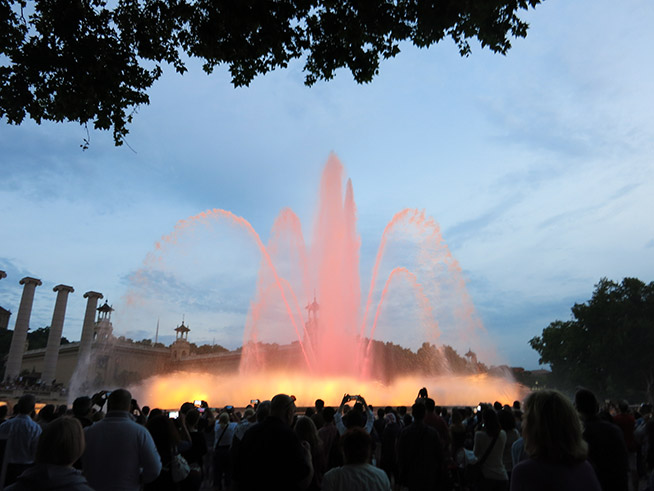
(537, 166)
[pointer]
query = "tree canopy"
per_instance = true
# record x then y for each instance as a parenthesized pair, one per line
(85, 61)
(607, 344)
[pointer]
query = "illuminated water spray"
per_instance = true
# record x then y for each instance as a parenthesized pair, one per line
(312, 290)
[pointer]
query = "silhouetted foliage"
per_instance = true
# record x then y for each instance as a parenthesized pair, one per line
(207, 349)
(39, 338)
(85, 61)
(607, 344)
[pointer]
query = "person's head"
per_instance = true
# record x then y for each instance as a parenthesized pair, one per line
(223, 419)
(282, 406)
(623, 406)
(357, 446)
(418, 412)
(586, 403)
(507, 419)
(25, 404)
(320, 404)
(430, 405)
(192, 418)
(309, 411)
(119, 400)
(164, 433)
(306, 430)
(328, 414)
(61, 442)
(186, 407)
(552, 429)
(82, 407)
(145, 410)
(249, 414)
(491, 421)
(516, 405)
(47, 413)
(263, 411)
(457, 416)
(390, 419)
(497, 405)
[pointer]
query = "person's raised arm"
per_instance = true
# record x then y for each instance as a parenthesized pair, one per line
(338, 417)
(346, 398)
(370, 417)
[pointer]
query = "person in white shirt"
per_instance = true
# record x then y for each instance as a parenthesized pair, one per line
(22, 434)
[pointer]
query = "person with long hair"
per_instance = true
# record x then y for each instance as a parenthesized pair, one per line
(489, 442)
(552, 433)
(59, 446)
(306, 431)
(507, 422)
(224, 434)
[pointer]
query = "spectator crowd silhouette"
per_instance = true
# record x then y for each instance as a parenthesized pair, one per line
(107, 442)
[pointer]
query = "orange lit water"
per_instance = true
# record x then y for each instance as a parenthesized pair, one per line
(170, 391)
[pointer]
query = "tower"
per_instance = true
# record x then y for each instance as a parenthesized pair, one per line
(181, 348)
(103, 327)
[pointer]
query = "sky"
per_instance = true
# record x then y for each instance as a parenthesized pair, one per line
(537, 166)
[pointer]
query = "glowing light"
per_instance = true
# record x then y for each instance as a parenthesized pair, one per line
(170, 391)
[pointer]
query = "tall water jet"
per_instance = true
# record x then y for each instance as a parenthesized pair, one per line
(308, 327)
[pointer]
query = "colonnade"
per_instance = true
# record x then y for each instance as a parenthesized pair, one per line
(17, 347)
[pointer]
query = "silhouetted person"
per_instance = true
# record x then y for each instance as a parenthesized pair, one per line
(627, 423)
(23, 434)
(557, 451)
(60, 444)
(82, 410)
(437, 422)
(271, 455)
(329, 436)
(388, 457)
(420, 454)
(607, 451)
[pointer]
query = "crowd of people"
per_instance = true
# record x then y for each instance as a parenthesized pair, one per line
(107, 442)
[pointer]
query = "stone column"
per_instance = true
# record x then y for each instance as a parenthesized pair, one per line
(88, 327)
(54, 338)
(17, 347)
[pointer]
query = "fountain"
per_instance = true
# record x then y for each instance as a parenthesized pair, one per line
(308, 298)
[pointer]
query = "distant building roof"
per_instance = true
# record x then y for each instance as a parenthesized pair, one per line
(105, 308)
(182, 328)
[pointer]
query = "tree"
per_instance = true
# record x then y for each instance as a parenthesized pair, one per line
(39, 338)
(607, 344)
(80, 60)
